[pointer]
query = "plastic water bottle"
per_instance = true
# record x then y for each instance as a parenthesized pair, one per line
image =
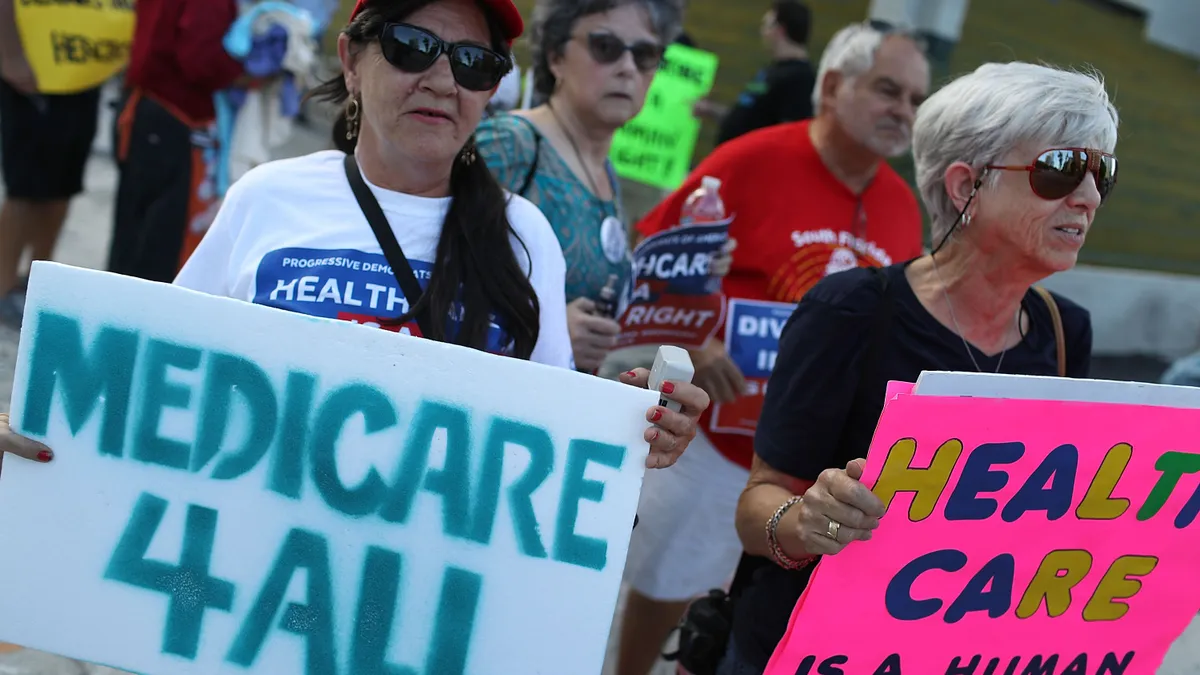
(704, 205)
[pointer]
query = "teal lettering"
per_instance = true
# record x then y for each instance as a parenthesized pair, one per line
(226, 375)
(312, 621)
(454, 623)
(376, 615)
(287, 463)
(104, 375)
(188, 585)
(570, 547)
(451, 482)
(520, 494)
(378, 414)
(159, 394)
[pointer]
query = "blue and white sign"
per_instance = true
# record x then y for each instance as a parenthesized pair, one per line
(752, 340)
(238, 489)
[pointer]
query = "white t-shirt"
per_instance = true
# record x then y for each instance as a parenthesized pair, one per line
(291, 235)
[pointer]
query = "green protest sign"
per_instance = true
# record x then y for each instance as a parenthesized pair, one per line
(686, 72)
(656, 146)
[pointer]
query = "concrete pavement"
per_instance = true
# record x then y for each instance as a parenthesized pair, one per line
(85, 243)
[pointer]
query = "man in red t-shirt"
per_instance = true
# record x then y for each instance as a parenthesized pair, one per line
(808, 199)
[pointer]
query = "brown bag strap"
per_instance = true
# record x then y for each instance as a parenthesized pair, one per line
(1060, 341)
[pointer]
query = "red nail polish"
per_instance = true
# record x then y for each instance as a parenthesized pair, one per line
(630, 373)
(656, 416)
(44, 456)
(654, 436)
(668, 388)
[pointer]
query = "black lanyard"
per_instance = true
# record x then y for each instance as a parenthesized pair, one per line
(387, 241)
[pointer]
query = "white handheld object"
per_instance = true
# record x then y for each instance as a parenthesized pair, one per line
(671, 364)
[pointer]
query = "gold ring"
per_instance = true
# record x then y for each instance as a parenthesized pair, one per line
(832, 530)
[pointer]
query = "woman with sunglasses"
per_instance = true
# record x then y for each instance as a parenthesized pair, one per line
(403, 210)
(1012, 162)
(594, 62)
(403, 227)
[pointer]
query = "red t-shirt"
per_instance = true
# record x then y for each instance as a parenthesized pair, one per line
(794, 222)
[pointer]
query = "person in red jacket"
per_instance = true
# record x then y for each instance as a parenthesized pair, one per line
(808, 199)
(177, 63)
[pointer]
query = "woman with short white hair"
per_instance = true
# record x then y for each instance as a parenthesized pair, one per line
(1012, 162)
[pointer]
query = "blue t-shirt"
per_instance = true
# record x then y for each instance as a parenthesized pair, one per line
(594, 238)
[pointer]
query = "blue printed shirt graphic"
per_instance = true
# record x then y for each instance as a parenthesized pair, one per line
(349, 285)
(677, 261)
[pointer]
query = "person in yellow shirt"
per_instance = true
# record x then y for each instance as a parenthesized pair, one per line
(45, 142)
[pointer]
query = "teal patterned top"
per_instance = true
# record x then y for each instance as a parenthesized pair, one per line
(593, 250)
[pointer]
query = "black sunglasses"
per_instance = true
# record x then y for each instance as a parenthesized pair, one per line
(414, 50)
(607, 48)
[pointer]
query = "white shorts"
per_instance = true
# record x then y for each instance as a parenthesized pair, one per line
(685, 542)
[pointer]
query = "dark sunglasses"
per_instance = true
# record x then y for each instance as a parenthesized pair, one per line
(414, 50)
(1058, 172)
(607, 48)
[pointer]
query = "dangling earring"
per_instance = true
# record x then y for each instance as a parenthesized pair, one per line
(966, 220)
(467, 155)
(353, 109)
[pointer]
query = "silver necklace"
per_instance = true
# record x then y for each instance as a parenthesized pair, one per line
(958, 328)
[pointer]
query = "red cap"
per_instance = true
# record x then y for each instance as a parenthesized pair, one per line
(505, 11)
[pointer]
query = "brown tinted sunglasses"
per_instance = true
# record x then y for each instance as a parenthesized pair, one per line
(1057, 172)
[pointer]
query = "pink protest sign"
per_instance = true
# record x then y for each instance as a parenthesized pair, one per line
(1021, 538)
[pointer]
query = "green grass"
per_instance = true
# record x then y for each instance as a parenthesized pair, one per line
(1153, 219)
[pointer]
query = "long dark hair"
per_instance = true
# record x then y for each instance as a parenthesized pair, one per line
(476, 264)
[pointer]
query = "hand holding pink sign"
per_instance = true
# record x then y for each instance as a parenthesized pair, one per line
(1021, 536)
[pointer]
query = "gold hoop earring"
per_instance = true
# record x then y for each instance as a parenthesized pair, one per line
(353, 110)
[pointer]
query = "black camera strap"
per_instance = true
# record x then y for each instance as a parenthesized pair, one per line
(387, 241)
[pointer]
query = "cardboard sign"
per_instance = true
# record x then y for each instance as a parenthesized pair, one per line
(75, 46)
(752, 340)
(676, 300)
(255, 491)
(1021, 537)
(656, 146)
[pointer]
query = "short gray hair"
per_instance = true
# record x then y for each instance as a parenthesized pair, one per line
(851, 52)
(983, 115)
(553, 21)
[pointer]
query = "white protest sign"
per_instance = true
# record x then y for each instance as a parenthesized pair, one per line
(239, 489)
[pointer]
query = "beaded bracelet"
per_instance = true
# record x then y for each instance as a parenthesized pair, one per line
(782, 559)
